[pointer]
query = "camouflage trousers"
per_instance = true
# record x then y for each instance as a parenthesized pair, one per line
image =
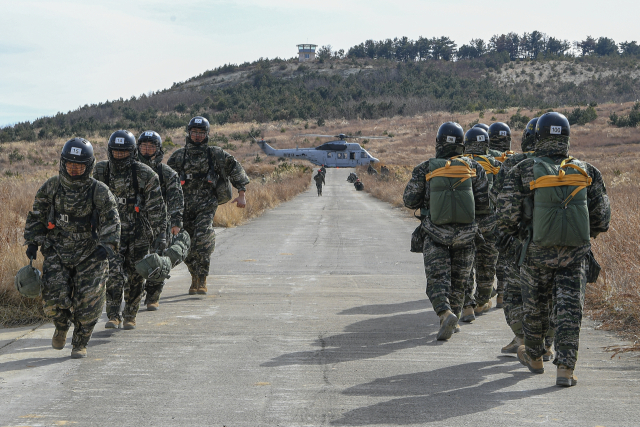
(513, 309)
(74, 295)
(447, 270)
(319, 188)
(124, 279)
(501, 272)
(203, 241)
(154, 288)
(553, 292)
(484, 265)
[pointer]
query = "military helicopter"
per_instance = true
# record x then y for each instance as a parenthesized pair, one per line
(333, 154)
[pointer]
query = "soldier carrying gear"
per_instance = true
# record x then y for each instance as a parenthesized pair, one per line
(358, 185)
(206, 174)
(143, 216)
(319, 179)
(476, 146)
(560, 202)
(371, 170)
(75, 222)
(352, 178)
(448, 190)
(150, 153)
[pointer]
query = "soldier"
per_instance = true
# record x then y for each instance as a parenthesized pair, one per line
(562, 202)
(500, 148)
(371, 170)
(319, 179)
(143, 217)
(358, 185)
(476, 146)
(448, 192)
(75, 222)
(205, 172)
(482, 126)
(150, 153)
(352, 178)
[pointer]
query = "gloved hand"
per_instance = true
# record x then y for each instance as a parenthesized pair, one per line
(100, 253)
(32, 251)
(160, 243)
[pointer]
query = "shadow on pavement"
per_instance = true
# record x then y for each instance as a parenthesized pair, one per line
(35, 362)
(438, 395)
(388, 308)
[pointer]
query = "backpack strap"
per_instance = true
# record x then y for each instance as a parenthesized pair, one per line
(161, 179)
(106, 175)
(581, 180)
(465, 172)
(486, 164)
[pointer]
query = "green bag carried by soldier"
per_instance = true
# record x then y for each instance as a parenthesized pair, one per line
(154, 267)
(28, 281)
(451, 198)
(179, 249)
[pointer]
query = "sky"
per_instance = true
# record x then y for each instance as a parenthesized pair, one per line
(60, 55)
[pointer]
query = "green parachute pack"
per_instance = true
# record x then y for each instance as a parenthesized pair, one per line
(451, 198)
(28, 281)
(560, 210)
(157, 267)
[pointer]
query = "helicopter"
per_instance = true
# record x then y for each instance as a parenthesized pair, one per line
(333, 154)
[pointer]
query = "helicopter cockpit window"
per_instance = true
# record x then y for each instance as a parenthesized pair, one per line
(329, 155)
(332, 146)
(352, 156)
(364, 155)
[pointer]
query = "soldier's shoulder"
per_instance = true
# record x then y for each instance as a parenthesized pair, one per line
(144, 171)
(50, 186)
(424, 166)
(524, 165)
(167, 170)
(515, 159)
(102, 191)
(178, 153)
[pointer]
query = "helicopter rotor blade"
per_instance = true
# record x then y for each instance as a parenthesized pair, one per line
(313, 134)
(370, 137)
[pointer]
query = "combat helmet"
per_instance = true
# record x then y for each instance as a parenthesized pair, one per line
(199, 122)
(121, 140)
(449, 140)
(482, 126)
(476, 141)
(77, 150)
(529, 136)
(154, 137)
(28, 281)
(552, 124)
(499, 136)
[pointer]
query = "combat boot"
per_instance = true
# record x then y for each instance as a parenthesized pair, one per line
(448, 322)
(565, 377)
(202, 285)
(535, 365)
(457, 329)
(467, 315)
(113, 323)
(79, 352)
(512, 347)
(129, 323)
(59, 339)
(548, 355)
(153, 306)
(481, 309)
(194, 285)
(499, 301)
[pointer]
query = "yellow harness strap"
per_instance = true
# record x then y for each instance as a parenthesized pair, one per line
(581, 181)
(448, 171)
(505, 155)
(486, 164)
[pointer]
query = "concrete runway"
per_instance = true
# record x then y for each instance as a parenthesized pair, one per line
(316, 316)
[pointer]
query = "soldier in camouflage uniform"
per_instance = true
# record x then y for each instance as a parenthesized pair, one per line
(448, 192)
(150, 153)
(500, 148)
(513, 310)
(563, 202)
(319, 179)
(201, 169)
(143, 216)
(476, 146)
(75, 222)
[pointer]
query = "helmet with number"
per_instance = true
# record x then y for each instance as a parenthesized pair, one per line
(529, 136)
(199, 122)
(552, 124)
(121, 140)
(499, 136)
(153, 137)
(476, 141)
(449, 140)
(77, 150)
(482, 126)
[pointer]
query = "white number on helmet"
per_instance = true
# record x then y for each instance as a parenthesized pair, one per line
(556, 130)
(148, 133)
(503, 133)
(451, 139)
(480, 138)
(76, 151)
(119, 140)
(198, 120)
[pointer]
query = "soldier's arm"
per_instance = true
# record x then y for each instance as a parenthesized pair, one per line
(154, 203)
(35, 229)
(498, 182)
(599, 206)
(235, 172)
(105, 202)
(509, 203)
(175, 198)
(173, 160)
(480, 185)
(416, 193)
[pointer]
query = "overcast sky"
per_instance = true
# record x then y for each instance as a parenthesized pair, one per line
(59, 55)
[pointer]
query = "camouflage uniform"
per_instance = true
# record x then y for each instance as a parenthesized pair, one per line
(555, 273)
(319, 178)
(200, 202)
(74, 281)
(138, 231)
(448, 249)
(174, 201)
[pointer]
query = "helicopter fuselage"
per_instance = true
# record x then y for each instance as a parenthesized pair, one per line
(333, 154)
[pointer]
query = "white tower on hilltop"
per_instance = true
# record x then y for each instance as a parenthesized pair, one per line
(306, 52)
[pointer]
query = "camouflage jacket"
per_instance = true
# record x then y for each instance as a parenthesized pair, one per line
(507, 165)
(171, 191)
(417, 196)
(510, 203)
(152, 218)
(192, 165)
(73, 238)
(319, 178)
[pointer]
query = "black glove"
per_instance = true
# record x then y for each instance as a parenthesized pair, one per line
(161, 242)
(32, 251)
(100, 253)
